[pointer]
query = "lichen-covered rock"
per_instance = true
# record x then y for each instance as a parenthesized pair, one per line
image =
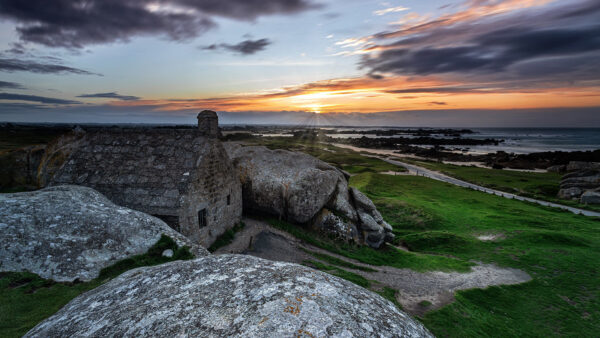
(228, 296)
(294, 186)
(582, 177)
(71, 232)
(376, 230)
(302, 189)
(590, 197)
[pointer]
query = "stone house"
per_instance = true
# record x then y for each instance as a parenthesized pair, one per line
(183, 176)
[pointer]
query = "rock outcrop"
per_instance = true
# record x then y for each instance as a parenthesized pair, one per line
(582, 182)
(304, 190)
(31, 167)
(228, 296)
(71, 232)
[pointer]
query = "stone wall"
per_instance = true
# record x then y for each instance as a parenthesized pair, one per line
(215, 189)
(169, 173)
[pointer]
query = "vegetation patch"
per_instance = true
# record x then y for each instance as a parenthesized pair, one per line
(347, 275)
(227, 237)
(27, 299)
(559, 250)
(336, 261)
(386, 255)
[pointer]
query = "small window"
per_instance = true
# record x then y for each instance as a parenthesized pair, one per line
(201, 218)
(228, 199)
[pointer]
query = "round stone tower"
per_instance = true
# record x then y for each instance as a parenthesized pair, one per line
(208, 123)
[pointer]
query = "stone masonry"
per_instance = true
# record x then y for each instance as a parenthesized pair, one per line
(182, 176)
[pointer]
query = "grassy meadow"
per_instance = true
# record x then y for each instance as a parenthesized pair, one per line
(558, 249)
(538, 185)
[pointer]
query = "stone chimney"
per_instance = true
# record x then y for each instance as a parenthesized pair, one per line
(208, 123)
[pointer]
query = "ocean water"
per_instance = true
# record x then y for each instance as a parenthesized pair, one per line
(529, 140)
(517, 140)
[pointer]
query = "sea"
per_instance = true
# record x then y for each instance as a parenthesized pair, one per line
(531, 140)
(518, 140)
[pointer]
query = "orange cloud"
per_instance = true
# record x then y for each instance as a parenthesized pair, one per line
(368, 95)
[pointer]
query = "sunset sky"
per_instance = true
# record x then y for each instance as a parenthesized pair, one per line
(353, 62)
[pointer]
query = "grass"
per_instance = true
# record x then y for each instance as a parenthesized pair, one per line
(338, 262)
(26, 299)
(226, 238)
(390, 294)
(345, 159)
(543, 186)
(558, 249)
(347, 275)
(386, 256)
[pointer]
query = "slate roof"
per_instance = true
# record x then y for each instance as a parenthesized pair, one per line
(143, 168)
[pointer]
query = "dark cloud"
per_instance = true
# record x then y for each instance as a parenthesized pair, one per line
(111, 95)
(76, 23)
(16, 65)
(496, 47)
(492, 52)
(10, 85)
(33, 98)
(246, 47)
(438, 103)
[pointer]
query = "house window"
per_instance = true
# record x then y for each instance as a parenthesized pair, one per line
(201, 218)
(228, 199)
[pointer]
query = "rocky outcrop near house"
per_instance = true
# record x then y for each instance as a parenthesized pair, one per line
(582, 182)
(32, 167)
(304, 190)
(18, 168)
(66, 233)
(228, 296)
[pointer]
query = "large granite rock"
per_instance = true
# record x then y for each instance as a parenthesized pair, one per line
(228, 296)
(305, 190)
(582, 177)
(71, 232)
(590, 197)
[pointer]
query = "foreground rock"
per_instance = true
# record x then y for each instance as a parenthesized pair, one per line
(229, 295)
(582, 182)
(70, 232)
(305, 190)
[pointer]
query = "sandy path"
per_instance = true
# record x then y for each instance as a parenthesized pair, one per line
(261, 240)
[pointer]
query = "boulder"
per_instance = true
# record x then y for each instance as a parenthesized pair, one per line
(71, 232)
(557, 169)
(569, 193)
(305, 190)
(229, 296)
(581, 177)
(590, 197)
(579, 165)
(375, 229)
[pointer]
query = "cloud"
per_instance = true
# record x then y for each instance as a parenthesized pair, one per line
(435, 90)
(510, 42)
(111, 95)
(16, 65)
(246, 47)
(390, 10)
(33, 98)
(491, 52)
(438, 103)
(10, 85)
(76, 23)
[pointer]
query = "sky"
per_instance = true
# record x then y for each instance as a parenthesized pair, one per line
(437, 63)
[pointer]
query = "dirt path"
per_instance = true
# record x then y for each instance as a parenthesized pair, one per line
(436, 287)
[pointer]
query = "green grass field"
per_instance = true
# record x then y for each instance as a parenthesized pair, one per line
(543, 186)
(558, 249)
(346, 159)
